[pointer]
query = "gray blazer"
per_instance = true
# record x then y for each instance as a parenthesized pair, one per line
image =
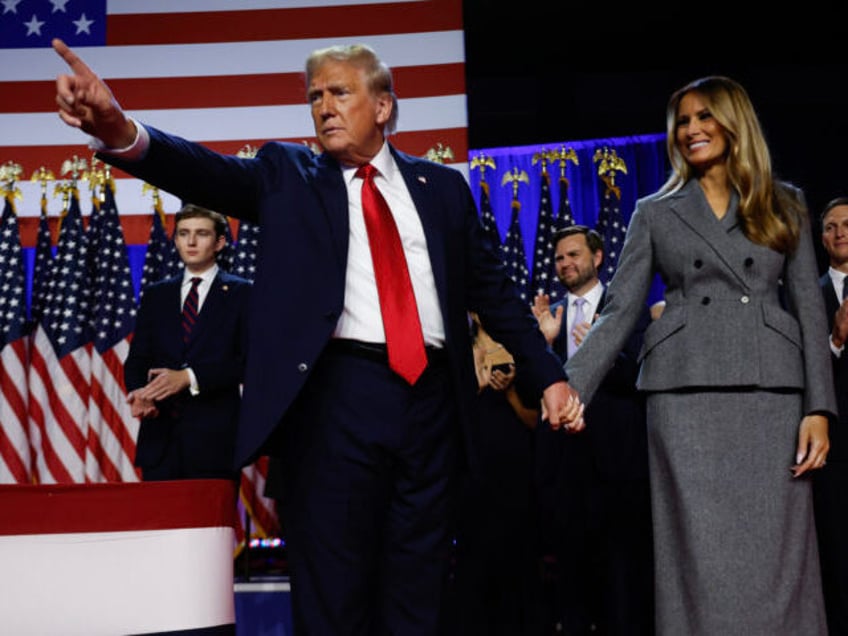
(738, 314)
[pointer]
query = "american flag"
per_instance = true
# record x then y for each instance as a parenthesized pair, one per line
(612, 228)
(543, 256)
(487, 216)
(42, 265)
(225, 74)
(161, 259)
(513, 254)
(244, 257)
(15, 459)
(112, 429)
(512, 250)
(60, 367)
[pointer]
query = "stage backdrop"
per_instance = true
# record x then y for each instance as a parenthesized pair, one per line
(228, 74)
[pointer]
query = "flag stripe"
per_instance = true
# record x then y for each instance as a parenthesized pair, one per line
(260, 89)
(232, 58)
(48, 467)
(14, 439)
(295, 23)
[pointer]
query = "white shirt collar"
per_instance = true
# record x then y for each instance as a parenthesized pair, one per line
(208, 276)
(383, 161)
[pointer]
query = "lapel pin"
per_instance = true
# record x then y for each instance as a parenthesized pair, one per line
(422, 179)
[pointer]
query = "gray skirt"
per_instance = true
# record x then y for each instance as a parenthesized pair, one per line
(734, 536)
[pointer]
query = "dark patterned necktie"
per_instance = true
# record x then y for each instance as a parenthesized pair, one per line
(404, 338)
(844, 287)
(190, 309)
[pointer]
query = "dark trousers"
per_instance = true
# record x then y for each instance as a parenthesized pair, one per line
(829, 487)
(369, 468)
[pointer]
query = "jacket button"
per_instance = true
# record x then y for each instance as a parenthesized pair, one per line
(698, 263)
(749, 261)
(302, 367)
(744, 300)
(705, 300)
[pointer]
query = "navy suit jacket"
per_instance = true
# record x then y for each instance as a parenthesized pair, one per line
(299, 200)
(204, 424)
(838, 450)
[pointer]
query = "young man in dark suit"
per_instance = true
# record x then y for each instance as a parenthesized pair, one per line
(185, 365)
(593, 487)
(831, 482)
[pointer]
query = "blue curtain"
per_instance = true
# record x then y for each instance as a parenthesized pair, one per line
(643, 156)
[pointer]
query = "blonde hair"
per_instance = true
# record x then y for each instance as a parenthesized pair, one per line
(769, 214)
(363, 57)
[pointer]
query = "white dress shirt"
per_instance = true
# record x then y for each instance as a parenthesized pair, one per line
(361, 318)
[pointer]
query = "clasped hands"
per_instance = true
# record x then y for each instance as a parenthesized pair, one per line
(161, 383)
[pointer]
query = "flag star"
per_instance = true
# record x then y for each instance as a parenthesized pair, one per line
(34, 25)
(10, 6)
(58, 5)
(83, 25)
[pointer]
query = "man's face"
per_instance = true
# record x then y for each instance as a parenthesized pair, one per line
(576, 265)
(197, 244)
(348, 119)
(835, 235)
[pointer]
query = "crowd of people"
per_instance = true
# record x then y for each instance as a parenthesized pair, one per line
(669, 467)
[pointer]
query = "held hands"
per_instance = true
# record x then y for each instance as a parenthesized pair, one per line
(813, 445)
(562, 407)
(85, 102)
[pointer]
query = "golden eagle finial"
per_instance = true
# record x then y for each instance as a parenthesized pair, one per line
(608, 164)
(514, 177)
(440, 153)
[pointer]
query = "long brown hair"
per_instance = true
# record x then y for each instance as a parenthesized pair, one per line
(769, 213)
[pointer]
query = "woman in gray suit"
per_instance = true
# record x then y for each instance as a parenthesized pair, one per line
(736, 371)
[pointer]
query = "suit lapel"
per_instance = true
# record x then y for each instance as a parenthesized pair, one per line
(721, 235)
(423, 196)
(327, 182)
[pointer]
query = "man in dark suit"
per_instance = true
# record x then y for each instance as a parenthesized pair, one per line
(370, 429)
(831, 482)
(183, 376)
(593, 487)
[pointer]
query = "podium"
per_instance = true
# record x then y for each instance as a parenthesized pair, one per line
(118, 559)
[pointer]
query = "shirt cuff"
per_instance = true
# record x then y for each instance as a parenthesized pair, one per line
(193, 388)
(837, 351)
(135, 151)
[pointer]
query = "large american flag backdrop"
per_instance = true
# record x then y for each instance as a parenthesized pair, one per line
(226, 73)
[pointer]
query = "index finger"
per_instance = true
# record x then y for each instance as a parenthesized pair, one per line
(73, 60)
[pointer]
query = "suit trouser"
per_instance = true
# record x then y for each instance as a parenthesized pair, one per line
(830, 484)
(369, 473)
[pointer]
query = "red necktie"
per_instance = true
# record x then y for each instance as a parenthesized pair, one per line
(190, 309)
(404, 339)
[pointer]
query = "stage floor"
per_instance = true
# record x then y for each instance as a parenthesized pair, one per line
(263, 608)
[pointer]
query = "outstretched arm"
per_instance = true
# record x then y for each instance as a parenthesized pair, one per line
(87, 103)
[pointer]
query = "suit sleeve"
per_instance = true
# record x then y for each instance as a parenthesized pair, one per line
(140, 356)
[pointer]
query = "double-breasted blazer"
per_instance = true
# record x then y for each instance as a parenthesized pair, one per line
(300, 201)
(737, 314)
(204, 425)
